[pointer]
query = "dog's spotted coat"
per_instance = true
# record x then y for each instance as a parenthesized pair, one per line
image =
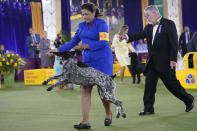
(78, 73)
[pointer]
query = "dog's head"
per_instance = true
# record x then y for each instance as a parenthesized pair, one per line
(64, 55)
(133, 55)
(134, 58)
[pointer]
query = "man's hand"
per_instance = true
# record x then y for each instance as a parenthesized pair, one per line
(34, 44)
(172, 64)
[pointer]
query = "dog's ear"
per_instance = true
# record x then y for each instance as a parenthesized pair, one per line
(66, 55)
(72, 53)
(130, 54)
(133, 54)
(62, 53)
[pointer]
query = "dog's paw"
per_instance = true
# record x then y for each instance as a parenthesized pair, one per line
(49, 89)
(123, 115)
(44, 83)
(118, 115)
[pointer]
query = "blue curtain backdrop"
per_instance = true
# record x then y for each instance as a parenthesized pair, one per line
(189, 12)
(101, 4)
(114, 3)
(15, 19)
(133, 15)
(151, 2)
(65, 10)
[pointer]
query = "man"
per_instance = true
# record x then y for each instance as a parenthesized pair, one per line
(32, 42)
(141, 46)
(184, 40)
(162, 41)
(192, 45)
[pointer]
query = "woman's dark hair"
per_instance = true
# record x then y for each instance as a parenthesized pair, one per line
(59, 35)
(91, 7)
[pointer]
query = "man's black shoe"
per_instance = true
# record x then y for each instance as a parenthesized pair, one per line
(107, 122)
(82, 126)
(189, 107)
(143, 113)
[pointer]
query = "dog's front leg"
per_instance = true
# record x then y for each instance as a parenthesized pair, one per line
(51, 78)
(57, 83)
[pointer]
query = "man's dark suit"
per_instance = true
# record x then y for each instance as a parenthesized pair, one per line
(163, 50)
(31, 49)
(182, 42)
(192, 45)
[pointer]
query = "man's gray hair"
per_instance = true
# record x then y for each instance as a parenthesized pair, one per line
(152, 9)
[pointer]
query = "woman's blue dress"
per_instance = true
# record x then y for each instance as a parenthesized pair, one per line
(96, 35)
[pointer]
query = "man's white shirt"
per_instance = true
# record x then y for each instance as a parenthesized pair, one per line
(155, 29)
(187, 37)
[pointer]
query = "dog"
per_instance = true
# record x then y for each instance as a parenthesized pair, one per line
(136, 67)
(76, 72)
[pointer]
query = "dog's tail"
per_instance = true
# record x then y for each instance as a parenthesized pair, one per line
(115, 75)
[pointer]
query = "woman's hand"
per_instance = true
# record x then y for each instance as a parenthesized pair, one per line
(122, 37)
(112, 48)
(81, 47)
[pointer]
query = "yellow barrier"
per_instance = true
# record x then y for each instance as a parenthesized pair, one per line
(187, 77)
(72, 34)
(37, 76)
(75, 17)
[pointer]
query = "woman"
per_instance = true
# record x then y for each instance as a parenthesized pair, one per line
(93, 34)
(122, 50)
(44, 47)
(58, 41)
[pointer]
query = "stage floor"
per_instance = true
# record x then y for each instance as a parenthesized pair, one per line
(32, 108)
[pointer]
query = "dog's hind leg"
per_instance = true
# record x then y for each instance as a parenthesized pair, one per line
(138, 78)
(108, 95)
(133, 76)
(119, 108)
(51, 78)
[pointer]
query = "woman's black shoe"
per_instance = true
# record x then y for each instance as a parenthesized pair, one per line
(107, 122)
(82, 126)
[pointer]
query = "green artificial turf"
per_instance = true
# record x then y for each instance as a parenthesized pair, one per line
(32, 108)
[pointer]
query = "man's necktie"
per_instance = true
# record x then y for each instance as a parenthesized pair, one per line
(34, 39)
(187, 37)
